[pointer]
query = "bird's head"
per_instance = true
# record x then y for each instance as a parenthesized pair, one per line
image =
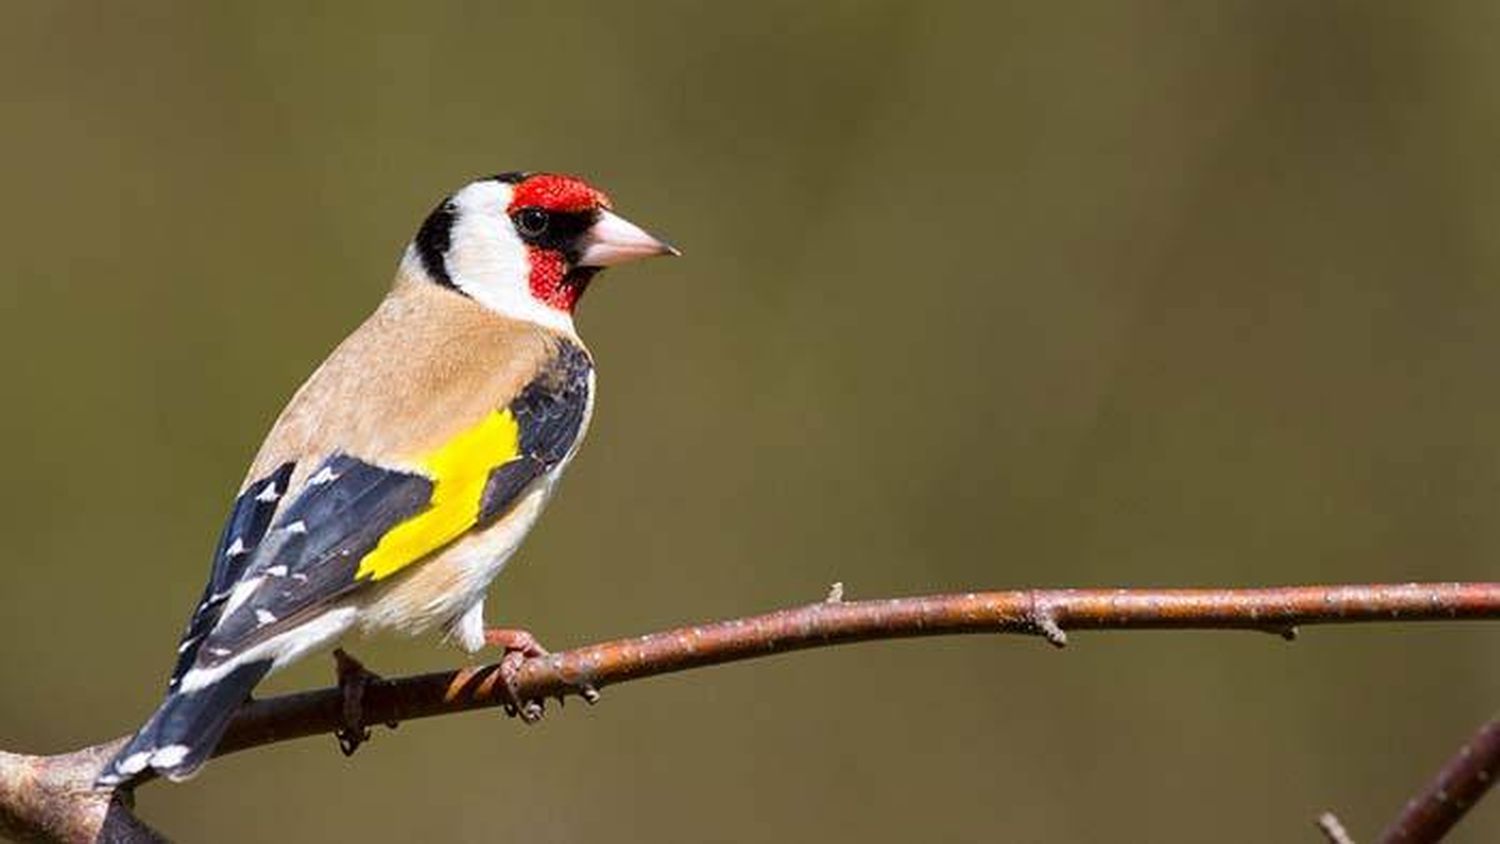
(527, 244)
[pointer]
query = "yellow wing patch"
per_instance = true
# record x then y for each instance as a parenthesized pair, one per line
(459, 472)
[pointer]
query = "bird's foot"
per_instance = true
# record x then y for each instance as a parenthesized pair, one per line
(353, 677)
(519, 646)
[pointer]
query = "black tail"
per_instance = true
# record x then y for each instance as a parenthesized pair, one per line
(184, 730)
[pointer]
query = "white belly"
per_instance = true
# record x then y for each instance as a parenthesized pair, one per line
(439, 590)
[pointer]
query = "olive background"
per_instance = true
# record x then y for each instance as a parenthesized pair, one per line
(973, 296)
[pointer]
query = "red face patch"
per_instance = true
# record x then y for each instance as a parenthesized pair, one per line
(558, 194)
(552, 192)
(548, 280)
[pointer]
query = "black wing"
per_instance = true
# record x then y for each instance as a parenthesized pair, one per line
(550, 412)
(313, 549)
(243, 531)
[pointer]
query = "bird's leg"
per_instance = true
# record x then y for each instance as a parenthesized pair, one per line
(353, 677)
(519, 646)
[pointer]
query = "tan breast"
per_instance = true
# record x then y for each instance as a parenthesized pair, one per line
(426, 365)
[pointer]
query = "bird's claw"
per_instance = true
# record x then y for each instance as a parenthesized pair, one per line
(350, 738)
(529, 711)
(518, 646)
(353, 677)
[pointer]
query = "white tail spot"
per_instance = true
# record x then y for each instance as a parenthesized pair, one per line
(169, 756)
(134, 763)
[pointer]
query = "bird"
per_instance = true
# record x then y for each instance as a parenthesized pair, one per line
(408, 468)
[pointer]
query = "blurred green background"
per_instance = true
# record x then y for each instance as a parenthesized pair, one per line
(974, 296)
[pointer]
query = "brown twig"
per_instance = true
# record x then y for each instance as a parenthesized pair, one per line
(1333, 829)
(1459, 784)
(1045, 613)
(1039, 612)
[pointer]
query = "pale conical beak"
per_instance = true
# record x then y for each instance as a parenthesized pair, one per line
(615, 240)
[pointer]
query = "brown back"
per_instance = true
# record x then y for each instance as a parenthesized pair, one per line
(427, 364)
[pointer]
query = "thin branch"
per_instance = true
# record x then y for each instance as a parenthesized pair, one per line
(1459, 784)
(1046, 613)
(1035, 612)
(1333, 829)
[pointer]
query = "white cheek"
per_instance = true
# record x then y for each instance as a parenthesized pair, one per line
(488, 261)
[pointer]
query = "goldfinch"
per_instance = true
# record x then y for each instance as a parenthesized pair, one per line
(409, 467)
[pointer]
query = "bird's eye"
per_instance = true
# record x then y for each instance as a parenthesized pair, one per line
(532, 222)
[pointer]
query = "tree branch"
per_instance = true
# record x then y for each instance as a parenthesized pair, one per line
(1459, 784)
(52, 798)
(33, 806)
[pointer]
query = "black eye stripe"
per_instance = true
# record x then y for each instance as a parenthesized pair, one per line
(563, 231)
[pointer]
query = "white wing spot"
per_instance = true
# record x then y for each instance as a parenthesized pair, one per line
(220, 651)
(300, 577)
(297, 527)
(276, 571)
(264, 617)
(188, 643)
(241, 592)
(269, 494)
(324, 475)
(236, 548)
